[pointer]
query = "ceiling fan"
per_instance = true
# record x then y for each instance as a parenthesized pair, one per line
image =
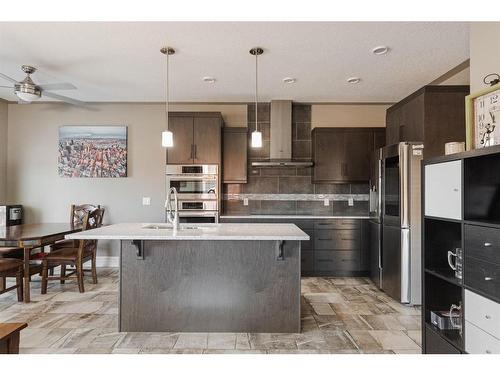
(27, 91)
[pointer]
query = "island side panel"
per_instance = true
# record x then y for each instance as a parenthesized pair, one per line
(210, 286)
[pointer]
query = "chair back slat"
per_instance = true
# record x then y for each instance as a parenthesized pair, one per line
(77, 212)
(91, 220)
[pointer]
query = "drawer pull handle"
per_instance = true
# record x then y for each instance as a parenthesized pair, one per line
(487, 244)
(325, 260)
(487, 316)
(324, 239)
(487, 278)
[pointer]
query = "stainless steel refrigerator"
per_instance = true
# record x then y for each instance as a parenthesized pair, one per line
(375, 222)
(401, 221)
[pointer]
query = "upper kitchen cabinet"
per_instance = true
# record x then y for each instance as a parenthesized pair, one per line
(197, 138)
(433, 115)
(343, 154)
(234, 155)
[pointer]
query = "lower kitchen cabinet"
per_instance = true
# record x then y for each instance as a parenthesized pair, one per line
(337, 247)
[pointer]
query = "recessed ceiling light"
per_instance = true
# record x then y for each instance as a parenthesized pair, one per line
(354, 80)
(209, 79)
(380, 50)
(289, 80)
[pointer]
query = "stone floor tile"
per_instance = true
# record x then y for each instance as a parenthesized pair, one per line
(221, 341)
(394, 340)
(322, 309)
(192, 341)
(415, 335)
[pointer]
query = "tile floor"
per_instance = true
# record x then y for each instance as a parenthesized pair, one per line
(339, 315)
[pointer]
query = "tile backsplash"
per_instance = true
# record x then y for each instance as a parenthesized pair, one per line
(288, 190)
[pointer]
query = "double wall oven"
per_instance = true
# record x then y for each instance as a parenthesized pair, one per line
(197, 191)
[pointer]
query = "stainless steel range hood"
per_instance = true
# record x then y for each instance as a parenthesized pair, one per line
(281, 139)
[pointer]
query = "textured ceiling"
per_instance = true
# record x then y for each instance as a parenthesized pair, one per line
(122, 62)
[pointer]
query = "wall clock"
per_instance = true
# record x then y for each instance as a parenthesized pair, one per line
(483, 118)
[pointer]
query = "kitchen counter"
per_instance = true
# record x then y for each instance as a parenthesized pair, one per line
(299, 217)
(197, 232)
(207, 277)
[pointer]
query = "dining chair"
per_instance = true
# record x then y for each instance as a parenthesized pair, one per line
(11, 268)
(74, 256)
(77, 215)
(11, 252)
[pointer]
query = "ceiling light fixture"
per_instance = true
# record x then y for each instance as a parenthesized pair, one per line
(354, 80)
(256, 134)
(167, 137)
(209, 79)
(380, 50)
(289, 80)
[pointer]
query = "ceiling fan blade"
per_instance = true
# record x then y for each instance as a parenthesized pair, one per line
(7, 87)
(57, 86)
(8, 78)
(63, 98)
(19, 101)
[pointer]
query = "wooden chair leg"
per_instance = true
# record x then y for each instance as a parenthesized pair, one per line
(3, 283)
(94, 269)
(63, 272)
(44, 276)
(19, 282)
(79, 276)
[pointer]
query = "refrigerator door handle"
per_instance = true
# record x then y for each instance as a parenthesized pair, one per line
(405, 266)
(404, 184)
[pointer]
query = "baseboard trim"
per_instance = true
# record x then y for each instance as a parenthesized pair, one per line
(108, 262)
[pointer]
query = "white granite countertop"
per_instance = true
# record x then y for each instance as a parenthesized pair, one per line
(163, 231)
(290, 217)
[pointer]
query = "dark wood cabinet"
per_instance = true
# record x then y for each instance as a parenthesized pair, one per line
(234, 155)
(343, 154)
(197, 138)
(433, 115)
(337, 247)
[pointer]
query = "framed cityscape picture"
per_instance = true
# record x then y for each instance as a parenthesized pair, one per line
(93, 151)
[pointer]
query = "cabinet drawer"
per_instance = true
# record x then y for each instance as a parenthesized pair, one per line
(336, 261)
(483, 243)
(338, 224)
(340, 239)
(482, 312)
(479, 342)
(482, 276)
(307, 261)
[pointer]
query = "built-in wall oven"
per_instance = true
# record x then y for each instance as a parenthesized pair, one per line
(197, 191)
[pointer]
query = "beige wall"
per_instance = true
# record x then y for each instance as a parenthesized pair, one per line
(348, 115)
(3, 151)
(484, 52)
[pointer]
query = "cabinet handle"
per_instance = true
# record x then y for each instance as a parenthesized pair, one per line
(324, 239)
(192, 152)
(487, 278)
(195, 152)
(488, 351)
(487, 316)
(325, 260)
(487, 244)
(455, 189)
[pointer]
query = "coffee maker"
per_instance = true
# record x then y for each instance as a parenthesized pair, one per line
(11, 215)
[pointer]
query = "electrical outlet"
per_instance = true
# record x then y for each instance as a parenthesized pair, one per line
(350, 202)
(146, 201)
(326, 202)
(245, 201)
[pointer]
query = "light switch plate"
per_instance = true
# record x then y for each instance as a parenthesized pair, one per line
(350, 201)
(146, 201)
(245, 201)
(326, 202)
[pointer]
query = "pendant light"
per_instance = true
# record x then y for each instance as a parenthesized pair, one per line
(256, 134)
(167, 137)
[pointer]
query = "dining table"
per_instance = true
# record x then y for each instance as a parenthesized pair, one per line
(31, 237)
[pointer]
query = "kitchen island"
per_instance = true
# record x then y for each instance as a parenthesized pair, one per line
(207, 277)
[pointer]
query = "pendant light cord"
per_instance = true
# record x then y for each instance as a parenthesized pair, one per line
(166, 91)
(256, 88)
